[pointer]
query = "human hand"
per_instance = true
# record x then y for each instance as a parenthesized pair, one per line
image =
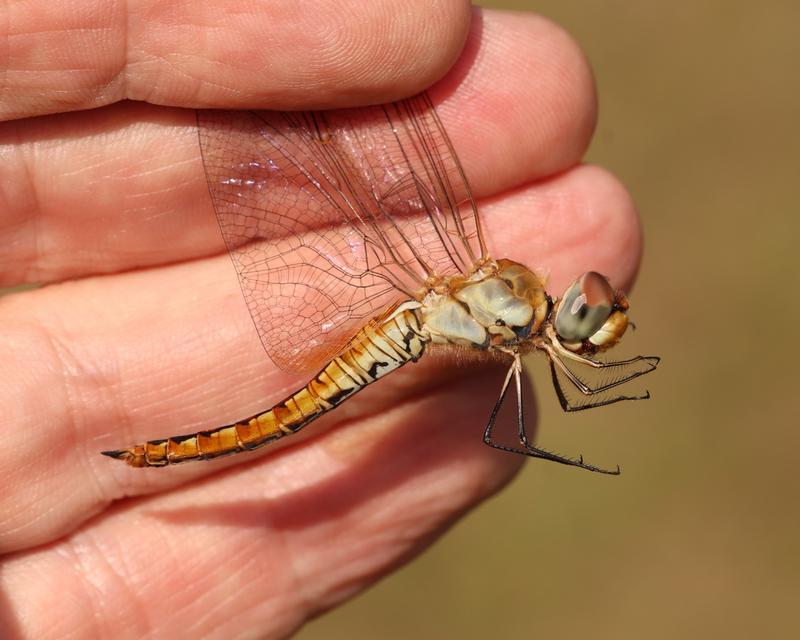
(149, 337)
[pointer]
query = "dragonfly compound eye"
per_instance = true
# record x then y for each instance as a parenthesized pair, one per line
(585, 308)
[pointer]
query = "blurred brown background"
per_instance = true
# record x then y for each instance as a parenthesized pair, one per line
(698, 538)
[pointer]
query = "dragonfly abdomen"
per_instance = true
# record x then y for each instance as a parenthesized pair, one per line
(377, 349)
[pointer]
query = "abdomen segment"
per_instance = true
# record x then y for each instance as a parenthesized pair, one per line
(376, 350)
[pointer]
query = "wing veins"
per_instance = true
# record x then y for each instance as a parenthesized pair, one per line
(417, 141)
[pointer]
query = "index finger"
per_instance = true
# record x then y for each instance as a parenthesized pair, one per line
(201, 54)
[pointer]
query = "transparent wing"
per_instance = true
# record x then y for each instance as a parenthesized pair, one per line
(330, 217)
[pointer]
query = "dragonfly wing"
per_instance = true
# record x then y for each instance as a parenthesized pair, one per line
(330, 217)
(424, 204)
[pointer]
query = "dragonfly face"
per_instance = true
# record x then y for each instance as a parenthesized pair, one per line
(591, 317)
(357, 243)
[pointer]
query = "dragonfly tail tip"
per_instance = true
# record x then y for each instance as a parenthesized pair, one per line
(118, 454)
(134, 457)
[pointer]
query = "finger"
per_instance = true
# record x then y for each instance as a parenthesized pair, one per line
(279, 53)
(520, 104)
(584, 220)
(262, 548)
(107, 362)
(113, 196)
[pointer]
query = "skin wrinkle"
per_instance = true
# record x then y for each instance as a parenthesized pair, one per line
(30, 505)
(112, 575)
(121, 73)
(343, 49)
(221, 604)
(176, 566)
(35, 205)
(92, 591)
(61, 349)
(124, 580)
(5, 47)
(368, 571)
(277, 538)
(69, 423)
(369, 574)
(49, 341)
(73, 558)
(278, 551)
(295, 588)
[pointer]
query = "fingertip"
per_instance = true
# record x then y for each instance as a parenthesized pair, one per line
(285, 56)
(279, 54)
(618, 243)
(395, 55)
(524, 86)
(581, 220)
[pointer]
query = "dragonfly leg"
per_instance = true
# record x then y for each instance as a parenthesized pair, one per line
(585, 389)
(526, 448)
(554, 344)
(567, 406)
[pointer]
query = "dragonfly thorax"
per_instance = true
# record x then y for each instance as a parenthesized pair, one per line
(501, 304)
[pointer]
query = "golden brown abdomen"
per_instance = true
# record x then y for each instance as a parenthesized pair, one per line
(375, 351)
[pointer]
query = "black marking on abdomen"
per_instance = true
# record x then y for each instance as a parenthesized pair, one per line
(341, 396)
(407, 337)
(186, 436)
(373, 369)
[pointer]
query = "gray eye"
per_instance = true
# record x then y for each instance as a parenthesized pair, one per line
(585, 307)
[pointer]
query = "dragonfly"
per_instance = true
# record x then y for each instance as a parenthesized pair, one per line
(358, 248)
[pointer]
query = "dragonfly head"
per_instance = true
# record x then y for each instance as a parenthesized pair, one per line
(590, 316)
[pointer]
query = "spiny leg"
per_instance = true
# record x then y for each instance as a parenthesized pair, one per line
(554, 343)
(529, 449)
(650, 360)
(585, 390)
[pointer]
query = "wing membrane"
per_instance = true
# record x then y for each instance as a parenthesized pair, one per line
(330, 217)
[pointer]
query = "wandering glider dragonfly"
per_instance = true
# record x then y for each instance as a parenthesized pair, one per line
(358, 247)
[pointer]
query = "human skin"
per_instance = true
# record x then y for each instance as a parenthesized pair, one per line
(140, 331)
